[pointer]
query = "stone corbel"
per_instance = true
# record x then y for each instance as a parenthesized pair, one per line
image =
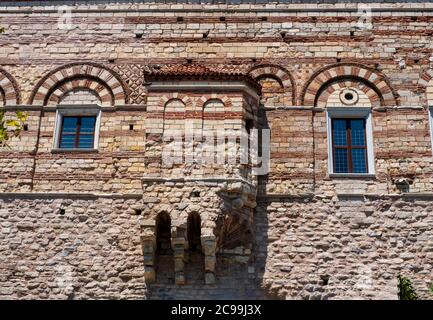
(148, 243)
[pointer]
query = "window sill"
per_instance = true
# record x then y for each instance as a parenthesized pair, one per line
(74, 150)
(353, 175)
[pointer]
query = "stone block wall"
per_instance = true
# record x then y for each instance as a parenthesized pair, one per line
(313, 236)
(65, 246)
(90, 250)
(344, 248)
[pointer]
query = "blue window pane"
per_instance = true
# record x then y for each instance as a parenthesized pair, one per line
(69, 125)
(86, 141)
(340, 158)
(70, 122)
(67, 141)
(88, 123)
(77, 132)
(357, 132)
(359, 160)
(339, 133)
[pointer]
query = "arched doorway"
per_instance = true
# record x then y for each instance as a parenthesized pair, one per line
(164, 252)
(194, 268)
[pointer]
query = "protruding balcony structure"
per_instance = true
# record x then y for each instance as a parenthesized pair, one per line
(198, 127)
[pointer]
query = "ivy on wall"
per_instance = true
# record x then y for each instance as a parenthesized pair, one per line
(405, 289)
(11, 127)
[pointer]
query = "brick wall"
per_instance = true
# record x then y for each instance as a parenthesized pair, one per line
(303, 56)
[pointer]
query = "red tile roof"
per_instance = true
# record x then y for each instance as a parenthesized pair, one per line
(193, 69)
(199, 72)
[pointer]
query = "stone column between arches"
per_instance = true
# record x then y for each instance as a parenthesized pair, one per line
(214, 203)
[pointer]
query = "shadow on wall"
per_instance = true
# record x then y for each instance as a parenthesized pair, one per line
(234, 279)
(261, 230)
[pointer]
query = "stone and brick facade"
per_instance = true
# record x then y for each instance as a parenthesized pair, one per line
(117, 221)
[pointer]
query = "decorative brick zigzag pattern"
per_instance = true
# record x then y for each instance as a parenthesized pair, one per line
(133, 75)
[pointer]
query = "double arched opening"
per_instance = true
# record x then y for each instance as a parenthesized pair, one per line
(166, 255)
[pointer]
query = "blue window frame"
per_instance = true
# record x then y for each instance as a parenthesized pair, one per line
(349, 146)
(77, 132)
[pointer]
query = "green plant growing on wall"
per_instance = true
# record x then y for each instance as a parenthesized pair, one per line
(431, 288)
(11, 127)
(405, 289)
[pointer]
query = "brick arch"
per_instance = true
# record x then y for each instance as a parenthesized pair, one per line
(201, 103)
(349, 71)
(426, 82)
(206, 115)
(172, 96)
(170, 117)
(9, 88)
(213, 100)
(2, 97)
(425, 78)
(172, 100)
(96, 87)
(350, 82)
(278, 73)
(212, 119)
(79, 89)
(75, 74)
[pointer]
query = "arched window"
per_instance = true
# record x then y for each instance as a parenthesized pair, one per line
(194, 232)
(78, 120)
(349, 129)
(195, 267)
(2, 97)
(164, 253)
(163, 234)
(80, 97)
(213, 115)
(273, 91)
(174, 115)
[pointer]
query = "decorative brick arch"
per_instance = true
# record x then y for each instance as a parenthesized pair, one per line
(75, 90)
(280, 74)
(425, 78)
(172, 96)
(102, 81)
(201, 103)
(326, 76)
(210, 118)
(94, 86)
(338, 84)
(426, 82)
(169, 117)
(9, 90)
